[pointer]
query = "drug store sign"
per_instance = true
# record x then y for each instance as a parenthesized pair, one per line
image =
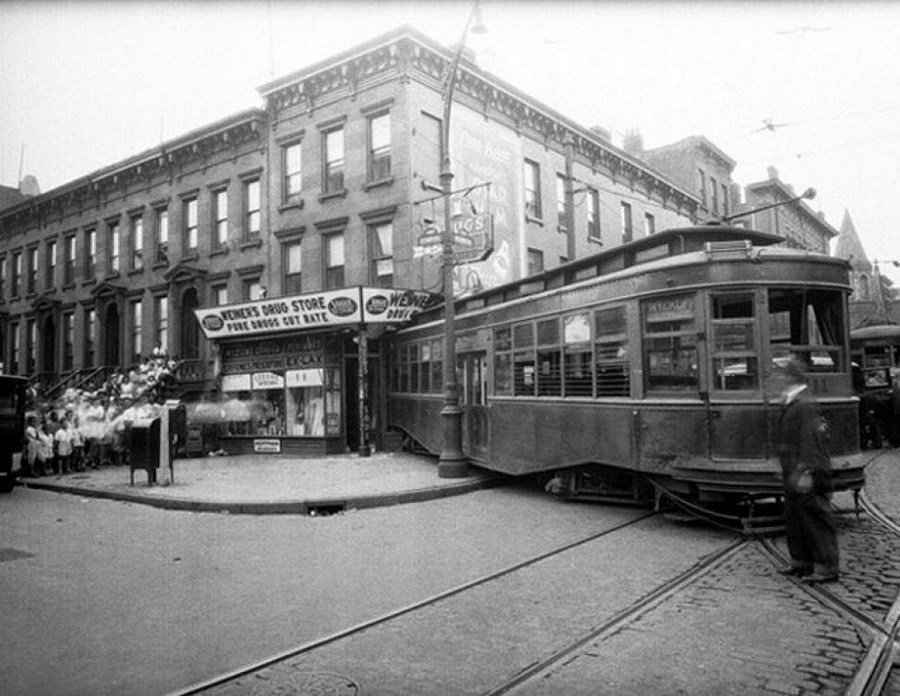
(353, 305)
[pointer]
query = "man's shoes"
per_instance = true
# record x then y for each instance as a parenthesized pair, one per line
(818, 578)
(796, 572)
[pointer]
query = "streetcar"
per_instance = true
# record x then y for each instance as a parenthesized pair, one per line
(875, 351)
(12, 429)
(643, 373)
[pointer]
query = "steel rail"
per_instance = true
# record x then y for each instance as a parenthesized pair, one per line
(651, 600)
(221, 679)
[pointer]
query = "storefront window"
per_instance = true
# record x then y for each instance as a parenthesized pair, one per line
(313, 402)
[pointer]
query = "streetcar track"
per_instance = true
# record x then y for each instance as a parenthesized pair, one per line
(221, 679)
(654, 598)
(877, 663)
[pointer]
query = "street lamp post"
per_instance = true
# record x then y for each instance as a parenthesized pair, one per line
(452, 463)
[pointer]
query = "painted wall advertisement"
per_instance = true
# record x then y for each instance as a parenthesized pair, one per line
(353, 305)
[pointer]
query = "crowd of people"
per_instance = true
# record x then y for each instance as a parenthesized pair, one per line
(85, 429)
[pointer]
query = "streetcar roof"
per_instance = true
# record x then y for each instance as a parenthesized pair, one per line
(879, 331)
(667, 243)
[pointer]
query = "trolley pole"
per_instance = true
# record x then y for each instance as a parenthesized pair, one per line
(452, 462)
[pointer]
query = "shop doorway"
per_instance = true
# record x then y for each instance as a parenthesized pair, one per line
(49, 348)
(190, 327)
(111, 343)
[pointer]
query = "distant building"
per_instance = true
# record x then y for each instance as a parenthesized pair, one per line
(868, 303)
(801, 227)
(27, 188)
(697, 165)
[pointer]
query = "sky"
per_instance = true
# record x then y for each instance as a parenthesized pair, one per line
(811, 88)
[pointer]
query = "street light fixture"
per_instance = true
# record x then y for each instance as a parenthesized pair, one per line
(452, 463)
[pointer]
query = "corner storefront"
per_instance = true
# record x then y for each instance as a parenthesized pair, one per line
(304, 374)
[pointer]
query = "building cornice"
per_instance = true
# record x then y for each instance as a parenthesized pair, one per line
(780, 192)
(167, 160)
(407, 54)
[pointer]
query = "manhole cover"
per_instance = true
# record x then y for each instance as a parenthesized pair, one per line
(7, 554)
(307, 684)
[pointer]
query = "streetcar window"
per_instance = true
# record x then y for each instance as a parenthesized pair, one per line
(670, 343)
(523, 360)
(437, 367)
(808, 323)
(403, 382)
(577, 355)
(425, 368)
(414, 368)
(735, 359)
(611, 344)
(503, 372)
(548, 355)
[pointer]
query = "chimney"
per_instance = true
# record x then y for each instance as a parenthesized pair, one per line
(633, 142)
(601, 133)
(773, 172)
(29, 186)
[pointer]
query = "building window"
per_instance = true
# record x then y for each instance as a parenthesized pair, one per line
(137, 330)
(189, 211)
(161, 335)
(252, 209)
(68, 340)
(379, 133)
(649, 224)
(70, 252)
(252, 289)
(17, 274)
(2, 278)
(162, 235)
(15, 341)
(593, 215)
(627, 224)
(561, 206)
(219, 295)
(333, 153)
(725, 206)
(90, 254)
(113, 247)
(90, 336)
(30, 346)
(334, 261)
(532, 190)
(220, 218)
(714, 195)
(701, 186)
(292, 163)
(52, 263)
(137, 242)
(33, 263)
(535, 262)
(292, 259)
(382, 240)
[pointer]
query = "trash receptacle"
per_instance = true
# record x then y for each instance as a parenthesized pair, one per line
(145, 448)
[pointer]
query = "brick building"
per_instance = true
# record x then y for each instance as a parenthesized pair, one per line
(325, 193)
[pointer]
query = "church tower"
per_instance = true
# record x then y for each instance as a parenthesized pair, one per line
(867, 303)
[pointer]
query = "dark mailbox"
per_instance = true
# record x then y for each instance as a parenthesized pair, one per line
(145, 448)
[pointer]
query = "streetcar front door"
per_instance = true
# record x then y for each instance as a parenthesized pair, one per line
(473, 399)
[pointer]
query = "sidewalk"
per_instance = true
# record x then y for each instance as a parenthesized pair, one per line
(266, 484)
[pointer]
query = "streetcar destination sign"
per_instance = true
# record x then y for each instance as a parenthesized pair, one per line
(353, 305)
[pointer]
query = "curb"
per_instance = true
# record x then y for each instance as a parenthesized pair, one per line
(323, 506)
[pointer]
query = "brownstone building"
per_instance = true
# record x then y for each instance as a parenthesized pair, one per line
(311, 204)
